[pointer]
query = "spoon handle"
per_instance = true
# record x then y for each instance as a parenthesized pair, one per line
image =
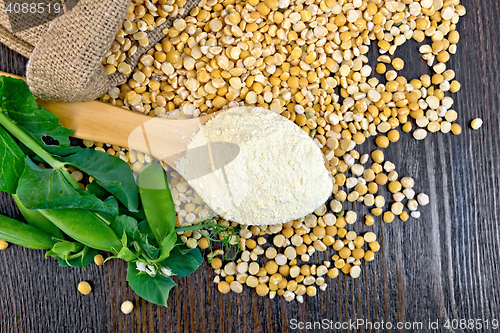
(97, 121)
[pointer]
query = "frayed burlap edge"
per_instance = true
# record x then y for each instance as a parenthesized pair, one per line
(13, 42)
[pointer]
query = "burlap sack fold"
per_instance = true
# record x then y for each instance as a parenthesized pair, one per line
(17, 44)
(65, 55)
(66, 62)
(22, 42)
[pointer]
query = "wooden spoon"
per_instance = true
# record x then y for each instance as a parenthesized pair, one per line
(165, 139)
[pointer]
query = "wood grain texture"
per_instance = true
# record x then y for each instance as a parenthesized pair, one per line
(441, 266)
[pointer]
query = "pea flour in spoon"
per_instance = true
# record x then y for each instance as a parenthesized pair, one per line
(278, 175)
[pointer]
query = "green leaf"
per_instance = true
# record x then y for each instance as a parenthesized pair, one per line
(139, 215)
(78, 202)
(124, 239)
(157, 200)
(183, 261)
(48, 189)
(166, 246)
(145, 242)
(20, 106)
(98, 191)
(37, 220)
(23, 234)
(126, 254)
(11, 162)
(146, 230)
(124, 224)
(152, 289)
(110, 172)
(113, 204)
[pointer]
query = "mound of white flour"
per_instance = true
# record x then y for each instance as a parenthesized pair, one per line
(279, 174)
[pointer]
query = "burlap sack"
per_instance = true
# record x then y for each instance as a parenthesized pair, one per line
(22, 42)
(65, 55)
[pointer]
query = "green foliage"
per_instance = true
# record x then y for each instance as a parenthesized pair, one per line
(20, 106)
(183, 261)
(110, 172)
(49, 189)
(11, 163)
(154, 289)
(74, 224)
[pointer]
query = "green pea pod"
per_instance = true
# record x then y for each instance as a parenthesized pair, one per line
(85, 227)
(24, 234)
(157, 200)
(37, 220)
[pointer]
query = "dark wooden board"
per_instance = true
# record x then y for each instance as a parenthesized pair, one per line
(441, 266)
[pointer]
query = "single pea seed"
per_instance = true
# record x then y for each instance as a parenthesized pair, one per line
(3, 244)
(127, 307)
(456, 129)
(395, 186)
(262, 289)
(223, 287)
(381, 179)
(99, 259)
(377, 156)
(84, 288)
(393, 135)
(476, 123)
(346, 268)
(382, 141)
(345, 253)
(369, 237)
(398, 64)
(388, 217)
(381, 68)
(216, 263)
(203, 243)
(355, 271)
(369, 255)
(374, 246)
(271, 267)
(454, 86)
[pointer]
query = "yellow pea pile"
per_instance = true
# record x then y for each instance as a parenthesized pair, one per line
(305, 60)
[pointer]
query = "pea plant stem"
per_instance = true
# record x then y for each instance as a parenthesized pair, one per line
(199, 226)
(19, 134)
(31, 144)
